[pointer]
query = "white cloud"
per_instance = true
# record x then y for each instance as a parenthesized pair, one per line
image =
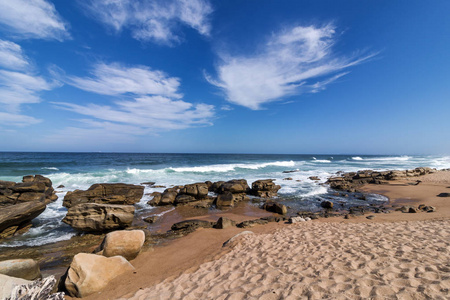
(116, 79)
(32, 19)
(11, 56)
(11, 119)
(291, 62)
(156, 20)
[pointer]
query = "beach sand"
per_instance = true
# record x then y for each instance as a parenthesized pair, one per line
(393, 256)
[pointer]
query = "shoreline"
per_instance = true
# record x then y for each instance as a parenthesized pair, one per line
(204, 246)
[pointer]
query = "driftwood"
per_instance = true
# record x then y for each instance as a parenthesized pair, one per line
(37, 290)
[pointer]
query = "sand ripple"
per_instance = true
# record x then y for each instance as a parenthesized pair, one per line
(402, 260)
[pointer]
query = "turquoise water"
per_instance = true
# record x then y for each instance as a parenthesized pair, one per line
(81, 170)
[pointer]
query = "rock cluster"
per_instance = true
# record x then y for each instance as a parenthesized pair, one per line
(226, 193)
(106, 193)
(350, 181)
(32, 188)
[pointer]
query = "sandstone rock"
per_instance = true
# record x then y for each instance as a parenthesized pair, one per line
(126, 243)
(192, 225)
(234, 186)
(168, 197)
(224, 222)
(275, 207)
(235, 239)
(215, 186)
(93, 217)
(156, 199)
(21, 268)
(327, 204)
(90, 273)
(8, 283)
(106, 193)
(265, 188)
(313, 178)
(15, 217)
(196, 190)
(225, 200)
(151, 219)
(294, 220)
(183, 199)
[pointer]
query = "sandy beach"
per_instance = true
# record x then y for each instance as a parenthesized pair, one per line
(392, 256)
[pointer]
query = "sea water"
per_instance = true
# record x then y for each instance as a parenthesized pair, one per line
(81, 170)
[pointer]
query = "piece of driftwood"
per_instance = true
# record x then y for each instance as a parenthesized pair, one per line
(37, 290)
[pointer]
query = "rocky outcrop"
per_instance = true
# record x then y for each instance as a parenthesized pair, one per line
(38, 289)
(191, 225)
(106, 193)
(126, 243)
(93, 217)
(16, 219)
(21, 268)
(275, 207)
(8, 283)
(351, 181)
(231, 192)
(90, 273)
(265, 188)
(32, 188)
(224, 223)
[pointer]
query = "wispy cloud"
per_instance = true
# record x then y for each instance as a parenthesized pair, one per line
(155, 21)
(32, 19)
(143, 100)
(19, 84)
(116, 79)
(295, 60)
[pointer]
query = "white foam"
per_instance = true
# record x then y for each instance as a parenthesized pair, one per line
(357, 158)
(232, 167)
(50, 168)
(318, 191)
(322, 160)
(393, 158)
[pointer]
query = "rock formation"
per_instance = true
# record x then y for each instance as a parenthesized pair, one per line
(32, 188)
(106, 193)
(93, 217)
(265, 188)
(16, 219)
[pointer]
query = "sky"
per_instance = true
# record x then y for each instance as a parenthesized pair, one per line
(235, 76)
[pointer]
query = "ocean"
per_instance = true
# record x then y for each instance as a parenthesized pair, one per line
(81, 170)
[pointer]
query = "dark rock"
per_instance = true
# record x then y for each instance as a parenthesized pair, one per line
(168, 197)
(197, 190)
(224, 222)
(265, 188)
(290, 171)
(15, 217)
(251, 223)
(106, 193)
(327, 204)
(151, 219)
(149, 183)
(370, 217)
(444, 195)
(225, 200)
(183, 199)
(275, 207)
(313, 178)
(60, 186)
(155, 200)
(234, 186)
(273, 219)
(94, 217)
(288, 178)
(215, 186)
(192, 225)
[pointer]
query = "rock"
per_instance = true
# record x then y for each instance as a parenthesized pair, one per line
(106, 193)
(183, 199)
(444, 195)
(370, 217)
(21, 268)
(294, 220)
(225, 200)
(224, 222)
(273, 219)
(90, 273)
(126, 243)
(290, 171)
(156, 199)
(13, 218)
(275, 207)
(234, 186)
(196, 190)
(265, 188)
(252, 223)
(60, 186)
(192, 225)
(149, 183)
(408, 209)
(313, 178)
(214, 187)
(235, 239)
(287, 178)
(151, 219)
(168, 197)
(38, 289)
(93, 217)
(8, 283)
(33, 188)
(426, 208)
(327, 204)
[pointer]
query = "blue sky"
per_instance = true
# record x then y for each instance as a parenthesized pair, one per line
(364, 77)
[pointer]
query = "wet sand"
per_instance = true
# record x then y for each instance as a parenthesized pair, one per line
(393, 256)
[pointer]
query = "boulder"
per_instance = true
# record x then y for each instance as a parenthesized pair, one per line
(168, 197)
(155, 200)
(21, 268)
(8, 283)
(234, 186)
(224, 222)
(32, 188)
(214, 187)
(275, 207)
(183, 199)
(90, 273)
(327, 204)
(197, 190)
(444, 195)
(265, 188)
(93, 217)
(313, 178)
(126, 243)
(225, 200)
(106, 193)
(14, 218)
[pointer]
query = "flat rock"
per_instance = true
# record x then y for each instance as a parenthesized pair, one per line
(90, 273)
(92, 217)
(21, 268)
(192, 225)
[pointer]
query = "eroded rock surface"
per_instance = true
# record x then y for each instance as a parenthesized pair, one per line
(126, 243)
(16, 219)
